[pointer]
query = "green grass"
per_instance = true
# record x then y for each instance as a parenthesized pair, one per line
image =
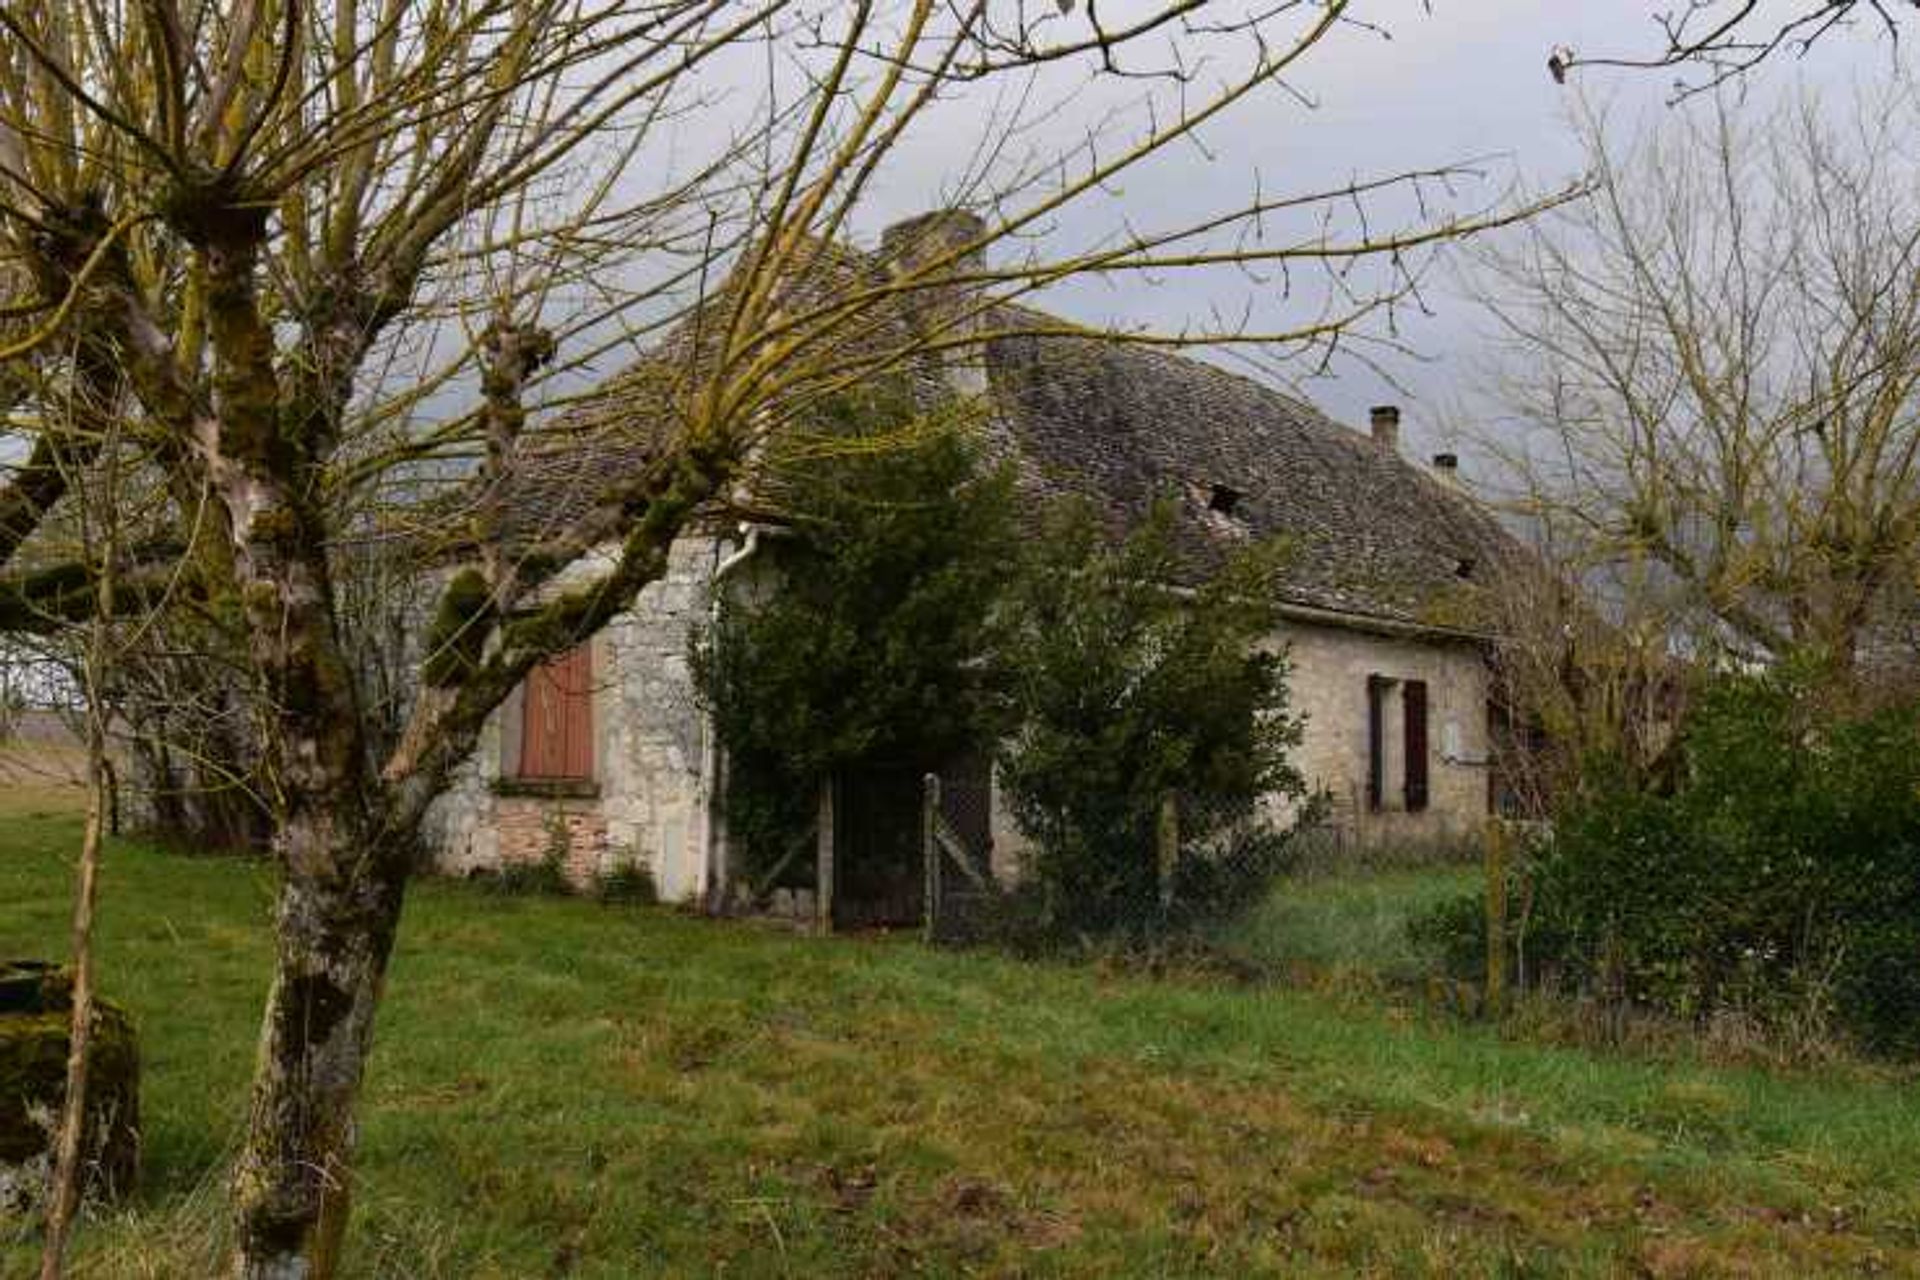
(561, 1088)
(1332, 924)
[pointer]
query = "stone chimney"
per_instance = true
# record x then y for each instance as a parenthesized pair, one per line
(1446, 469)
(1385, 419)
(912, 243)
(940, 312)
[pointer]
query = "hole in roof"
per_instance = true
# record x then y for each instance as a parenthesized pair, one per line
(1463, 568)
(1224, 499)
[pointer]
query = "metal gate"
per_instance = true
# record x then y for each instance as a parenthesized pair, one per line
(877, 865)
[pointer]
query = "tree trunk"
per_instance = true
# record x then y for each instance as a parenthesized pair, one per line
(344, 864)
(293, 1183)
(63, 1197)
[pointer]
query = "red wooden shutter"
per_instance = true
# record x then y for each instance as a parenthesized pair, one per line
(557, 723)
(1414, 704)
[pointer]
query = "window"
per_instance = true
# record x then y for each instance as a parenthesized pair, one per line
(1412, 705)
(1223, 499)
(556, 722)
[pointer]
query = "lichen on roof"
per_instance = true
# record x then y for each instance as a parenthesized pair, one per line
(1121, 424)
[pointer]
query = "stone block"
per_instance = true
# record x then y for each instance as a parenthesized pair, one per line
(35, 1015)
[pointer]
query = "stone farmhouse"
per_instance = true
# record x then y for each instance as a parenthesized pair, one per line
(605, 756)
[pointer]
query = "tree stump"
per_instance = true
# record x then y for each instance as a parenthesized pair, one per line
(36, 1007)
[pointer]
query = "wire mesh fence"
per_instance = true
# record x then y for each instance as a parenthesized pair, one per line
(1229, 884)
(965, 903)
(1145, 871)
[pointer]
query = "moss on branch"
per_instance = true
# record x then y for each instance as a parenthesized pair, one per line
(457, 638)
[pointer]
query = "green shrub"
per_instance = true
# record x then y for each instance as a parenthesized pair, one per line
(1126, 692)
(878, 645)
(915, 624)
(1778, 878)
(542, 877)
(631, 882)
(1453, 934)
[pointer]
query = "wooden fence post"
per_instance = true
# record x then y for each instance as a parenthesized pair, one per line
(1168, 844)
(823, 860)
(1496, 993)
(930, 854)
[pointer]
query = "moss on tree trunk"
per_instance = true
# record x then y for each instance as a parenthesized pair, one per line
(292, 1186)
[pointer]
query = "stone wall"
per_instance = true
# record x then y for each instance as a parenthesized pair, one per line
(1329, 686)
(647, 800)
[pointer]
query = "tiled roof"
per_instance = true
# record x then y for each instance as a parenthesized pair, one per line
(1375, 536)
(561, 469)
(559, 472)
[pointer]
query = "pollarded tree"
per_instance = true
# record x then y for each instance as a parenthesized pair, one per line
(312, 255)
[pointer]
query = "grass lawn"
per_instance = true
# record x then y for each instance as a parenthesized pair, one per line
(562, 1088)
(1332, 924)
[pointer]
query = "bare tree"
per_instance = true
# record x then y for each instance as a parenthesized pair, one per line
(342, 250)
(1573, 686)
(1708, 386)
(1710, 42)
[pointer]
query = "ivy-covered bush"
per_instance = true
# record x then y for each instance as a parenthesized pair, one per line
(1779, 876)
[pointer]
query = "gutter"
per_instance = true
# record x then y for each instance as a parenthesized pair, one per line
(1377, 624)
(712, 855)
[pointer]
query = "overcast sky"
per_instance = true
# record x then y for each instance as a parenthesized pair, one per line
(1467, 81)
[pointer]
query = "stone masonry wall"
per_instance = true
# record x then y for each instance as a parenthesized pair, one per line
(652, 738)
(1329, 686)
(646, 804)
(650, 751)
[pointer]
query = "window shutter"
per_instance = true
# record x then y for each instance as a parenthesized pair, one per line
(1414, 698)
(1376, 742)
(557, 722)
